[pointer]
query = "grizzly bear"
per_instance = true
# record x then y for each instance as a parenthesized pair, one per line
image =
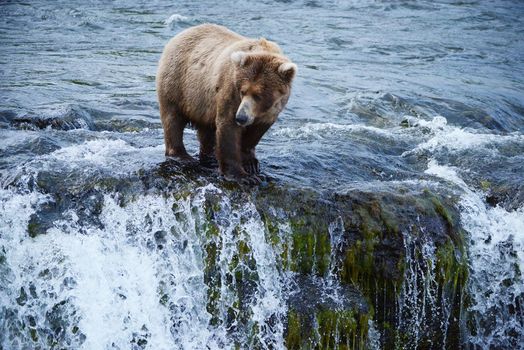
(229, 87)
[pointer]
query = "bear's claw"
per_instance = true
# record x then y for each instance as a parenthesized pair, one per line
(250, 180)
(252, 166)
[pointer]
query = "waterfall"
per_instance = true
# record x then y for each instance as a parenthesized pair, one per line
(496, 250)
(150, 274)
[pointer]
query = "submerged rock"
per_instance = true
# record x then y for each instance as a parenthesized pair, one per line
(64, 118)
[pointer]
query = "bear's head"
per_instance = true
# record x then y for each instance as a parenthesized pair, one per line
(263, 84)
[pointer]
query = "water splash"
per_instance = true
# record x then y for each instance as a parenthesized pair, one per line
(318, 130)
(176, 18)
(443, 137)
(496, 286)
(141, 279)
(419, 304)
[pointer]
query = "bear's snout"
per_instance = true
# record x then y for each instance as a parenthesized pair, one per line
(241, 118)
(244, 115)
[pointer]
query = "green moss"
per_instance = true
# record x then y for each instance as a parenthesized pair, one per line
(331, 329)
(485, 185)
(359, 267)
(293, 337)
(437, 206)
(391, 223)
(365, 262)
(284, 256)
(211, 206)
(211, 229)
(273, 232)
(278, 240)
(369, 217)
(452, 267)
(336, 328)
(350, 270)
(243, 249)
(34, 334)
(213, 281)
(311, 248)
(180, 195)
(442, 211)
(253, 341)
(32, 229)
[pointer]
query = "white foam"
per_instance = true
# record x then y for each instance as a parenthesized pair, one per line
(116, 276)
(268, 307)
(15, 212)
(115, 155)
(453, 139)
(496, 245)
(269, 299)
(175, 18)
(445, 172)
(16, 138)
(318, 130)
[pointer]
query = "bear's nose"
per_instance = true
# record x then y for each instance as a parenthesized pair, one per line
(241, 119)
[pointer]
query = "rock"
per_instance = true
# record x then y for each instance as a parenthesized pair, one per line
(394, 256)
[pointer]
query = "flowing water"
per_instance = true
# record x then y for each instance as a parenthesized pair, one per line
(95, 254)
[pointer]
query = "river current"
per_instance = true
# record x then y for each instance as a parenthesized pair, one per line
(389, 94)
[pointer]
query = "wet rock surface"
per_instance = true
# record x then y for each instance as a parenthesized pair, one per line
(347, 256)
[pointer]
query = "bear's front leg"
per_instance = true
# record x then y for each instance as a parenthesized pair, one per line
(250, 162)
(228, 152)
(250, 140)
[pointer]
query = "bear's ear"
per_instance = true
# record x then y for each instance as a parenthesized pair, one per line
(287, 70)
(239, 58)
(264, 43)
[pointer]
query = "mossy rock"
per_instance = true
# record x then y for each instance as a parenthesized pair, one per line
(369, 252)
(356, 238)
(315, 321)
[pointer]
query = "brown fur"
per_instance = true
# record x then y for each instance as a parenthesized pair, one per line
(208, 76)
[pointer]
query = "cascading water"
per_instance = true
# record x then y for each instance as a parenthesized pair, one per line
(139, 278)
(496, 285)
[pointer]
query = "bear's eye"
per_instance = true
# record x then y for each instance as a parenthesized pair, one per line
(256, 97)
(242, 93)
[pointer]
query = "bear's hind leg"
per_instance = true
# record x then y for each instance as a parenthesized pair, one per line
(207, 139)
(173, 124)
